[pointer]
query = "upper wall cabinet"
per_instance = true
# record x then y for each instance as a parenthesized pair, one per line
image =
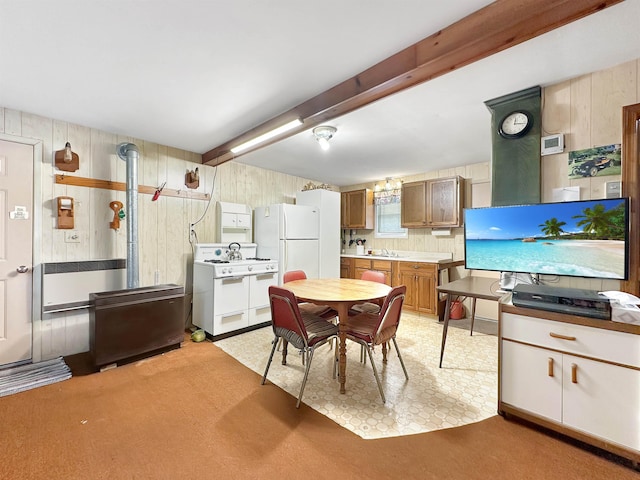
(433, 203)
(357, 209)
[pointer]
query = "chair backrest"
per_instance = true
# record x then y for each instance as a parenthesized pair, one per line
(293, 275)
(389, 316)
(285, 316)
(373, 276)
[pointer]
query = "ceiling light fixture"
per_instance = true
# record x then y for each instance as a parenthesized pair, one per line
(323, 134)
(266, 136)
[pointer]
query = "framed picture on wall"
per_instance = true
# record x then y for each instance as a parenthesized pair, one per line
(596, 161)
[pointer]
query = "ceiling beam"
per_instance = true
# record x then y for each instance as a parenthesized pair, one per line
(494, 28)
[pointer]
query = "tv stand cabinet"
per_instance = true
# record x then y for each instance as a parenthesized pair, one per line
(575, 375)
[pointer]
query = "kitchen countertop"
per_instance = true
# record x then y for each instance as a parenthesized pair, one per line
(424, 257)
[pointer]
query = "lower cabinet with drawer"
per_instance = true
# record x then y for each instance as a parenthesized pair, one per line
(575, 375)
(360, 265)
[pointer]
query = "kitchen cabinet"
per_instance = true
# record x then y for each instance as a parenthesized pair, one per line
(421, 280)
(234, 223)
(435, 203)
(357, 209)
(236, 220)
(360, 265)
(346, 267)
(575, 375)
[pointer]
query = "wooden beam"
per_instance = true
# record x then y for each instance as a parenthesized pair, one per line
(120, 186)
(494, 28)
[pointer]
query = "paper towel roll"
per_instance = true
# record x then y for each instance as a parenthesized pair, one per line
(65, 204)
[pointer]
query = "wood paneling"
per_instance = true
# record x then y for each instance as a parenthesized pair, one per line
(163, 236)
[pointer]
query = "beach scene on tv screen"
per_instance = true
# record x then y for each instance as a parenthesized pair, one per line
(585, 239)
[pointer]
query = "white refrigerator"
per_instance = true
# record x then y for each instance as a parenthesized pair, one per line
(289, 234)
(329, 204)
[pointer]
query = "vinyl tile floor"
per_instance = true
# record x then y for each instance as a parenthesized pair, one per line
(463, 391)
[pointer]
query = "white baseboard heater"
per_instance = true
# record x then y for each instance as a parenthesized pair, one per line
(66, 285)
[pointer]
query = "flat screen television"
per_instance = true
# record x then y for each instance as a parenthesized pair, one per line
(587, 238)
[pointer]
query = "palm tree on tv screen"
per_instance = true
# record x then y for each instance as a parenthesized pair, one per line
(596, 221)
(552, 227)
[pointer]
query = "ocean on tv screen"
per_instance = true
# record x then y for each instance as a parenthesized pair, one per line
(595, 258)
(584, 238)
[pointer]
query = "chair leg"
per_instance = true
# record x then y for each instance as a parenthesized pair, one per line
(400, 357)
(309, 355)
(375, 374)
(285, 344)
(273, 350)
(363, 355)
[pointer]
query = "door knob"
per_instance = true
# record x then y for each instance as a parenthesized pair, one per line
(22, 269)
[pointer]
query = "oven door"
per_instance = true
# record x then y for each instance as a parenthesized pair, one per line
(259, 308)
(230, 304)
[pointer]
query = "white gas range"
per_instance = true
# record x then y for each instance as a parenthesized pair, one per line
(231, 295)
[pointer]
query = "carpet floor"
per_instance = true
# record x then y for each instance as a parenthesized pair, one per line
(197, 413)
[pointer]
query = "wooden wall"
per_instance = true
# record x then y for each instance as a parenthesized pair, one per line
(165, 253)
(586, 109)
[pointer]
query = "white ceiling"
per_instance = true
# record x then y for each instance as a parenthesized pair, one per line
(193, 74)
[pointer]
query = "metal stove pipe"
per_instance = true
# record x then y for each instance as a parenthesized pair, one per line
(129, 153)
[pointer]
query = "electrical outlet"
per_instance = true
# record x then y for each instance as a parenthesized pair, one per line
(72, 237)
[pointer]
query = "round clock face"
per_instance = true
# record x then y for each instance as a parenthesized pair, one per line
(515, 125)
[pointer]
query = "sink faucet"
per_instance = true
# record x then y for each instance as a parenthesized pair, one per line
(385, 252)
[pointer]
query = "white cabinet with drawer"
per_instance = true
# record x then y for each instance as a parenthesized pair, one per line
(581, 378)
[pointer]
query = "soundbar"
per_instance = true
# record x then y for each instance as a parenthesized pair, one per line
(573, 301)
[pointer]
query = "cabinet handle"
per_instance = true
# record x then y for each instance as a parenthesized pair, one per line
(574, 373)
(562, 337)
(550, 367)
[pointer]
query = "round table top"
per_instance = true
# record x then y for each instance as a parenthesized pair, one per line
(337, 289)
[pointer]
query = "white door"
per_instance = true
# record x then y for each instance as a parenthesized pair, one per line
(300, 221)
(602, 399)
(299, 255)
(16, 260)
(532, 379)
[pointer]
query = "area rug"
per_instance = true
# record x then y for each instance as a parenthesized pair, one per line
(32, 375)
(463, 391)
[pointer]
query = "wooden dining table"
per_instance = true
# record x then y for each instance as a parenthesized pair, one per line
(340, 294)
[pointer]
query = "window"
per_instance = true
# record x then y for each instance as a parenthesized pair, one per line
(388, 221)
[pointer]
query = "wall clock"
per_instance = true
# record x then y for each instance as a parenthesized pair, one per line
(516, 124)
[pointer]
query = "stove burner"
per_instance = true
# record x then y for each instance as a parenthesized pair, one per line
(213, 260)
(259, 259)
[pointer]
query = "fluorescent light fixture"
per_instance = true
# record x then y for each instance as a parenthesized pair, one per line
(266, 136)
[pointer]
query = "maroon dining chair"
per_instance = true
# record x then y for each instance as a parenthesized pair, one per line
(370, 329)
(368, 307)
(307, 308)
(306, 333)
